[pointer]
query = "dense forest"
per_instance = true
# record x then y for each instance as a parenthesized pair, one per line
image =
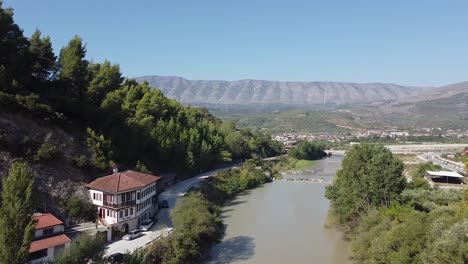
(119, 121)
(391, 221)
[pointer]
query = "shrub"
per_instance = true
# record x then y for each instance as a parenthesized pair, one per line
(79, 209)
(81, 162)
(85, 249)
(46, 152)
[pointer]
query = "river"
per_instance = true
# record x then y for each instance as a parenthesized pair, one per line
(283, 222)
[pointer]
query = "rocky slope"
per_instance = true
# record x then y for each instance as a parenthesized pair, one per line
(57, 179)
(245, 92)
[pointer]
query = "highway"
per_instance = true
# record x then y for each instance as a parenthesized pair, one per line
(425, 148)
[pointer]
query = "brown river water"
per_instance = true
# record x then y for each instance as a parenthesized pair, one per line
(283, 222)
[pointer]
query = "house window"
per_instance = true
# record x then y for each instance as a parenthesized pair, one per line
(38, 254)
(126, 212)
(123, 197)
(138, 196)
(131, 211)
(108, 212)
(48, 231)
(120, 214)
(128, 196)
(94, 196)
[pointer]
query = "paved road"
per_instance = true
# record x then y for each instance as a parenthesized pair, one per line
(424, 148)
(444, 163)
(171, 194)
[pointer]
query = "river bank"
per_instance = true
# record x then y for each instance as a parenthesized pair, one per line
(282, 222)
(196, 217)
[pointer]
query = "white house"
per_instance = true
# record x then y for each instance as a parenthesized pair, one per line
(49, 239)
(125, 199)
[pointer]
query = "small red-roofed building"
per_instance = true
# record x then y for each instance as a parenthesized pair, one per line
(124, 199)
(49, 238)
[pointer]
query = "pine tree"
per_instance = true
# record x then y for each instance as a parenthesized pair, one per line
(107, 78)
(42, 56)
(16, 224)
(74, 68)
(13, 48)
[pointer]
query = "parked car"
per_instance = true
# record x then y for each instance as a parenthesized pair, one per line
(146, 225)
(115, 258)
(132, 234)
(164, 204)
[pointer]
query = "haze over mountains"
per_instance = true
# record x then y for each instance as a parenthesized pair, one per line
(248, 92)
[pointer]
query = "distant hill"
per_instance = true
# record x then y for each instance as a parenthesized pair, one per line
(445, 106)
(342, 106)
(254, 92)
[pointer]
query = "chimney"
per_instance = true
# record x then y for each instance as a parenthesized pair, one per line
(115, 170)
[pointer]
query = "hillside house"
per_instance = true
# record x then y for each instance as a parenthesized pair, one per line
(49, 239)
(125, 199)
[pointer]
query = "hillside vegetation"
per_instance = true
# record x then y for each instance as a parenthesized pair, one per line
(72, 119)
(390, 221)
(284, 120)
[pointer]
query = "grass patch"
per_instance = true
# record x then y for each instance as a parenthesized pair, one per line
(302, 164)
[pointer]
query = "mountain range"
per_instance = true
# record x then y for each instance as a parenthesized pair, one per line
(248, 92)
(260, 104)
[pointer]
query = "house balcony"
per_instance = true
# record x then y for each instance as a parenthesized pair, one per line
(119, 205)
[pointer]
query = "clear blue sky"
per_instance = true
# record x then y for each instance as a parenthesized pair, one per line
(414, 42)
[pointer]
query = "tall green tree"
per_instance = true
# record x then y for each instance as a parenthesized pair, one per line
(74, 69)
(43, 59)
(106, 79)
(13, 52)
(370, 177)
(16, 224)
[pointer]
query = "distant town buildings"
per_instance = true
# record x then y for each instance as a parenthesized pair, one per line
(395, 134)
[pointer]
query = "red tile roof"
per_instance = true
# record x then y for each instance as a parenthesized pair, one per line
(122, 181)
(48, 243)
(46, 220)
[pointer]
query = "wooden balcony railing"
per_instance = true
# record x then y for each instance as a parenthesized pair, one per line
(119, 205)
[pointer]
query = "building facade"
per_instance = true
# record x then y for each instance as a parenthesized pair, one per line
(125, 199)
(49, 239)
